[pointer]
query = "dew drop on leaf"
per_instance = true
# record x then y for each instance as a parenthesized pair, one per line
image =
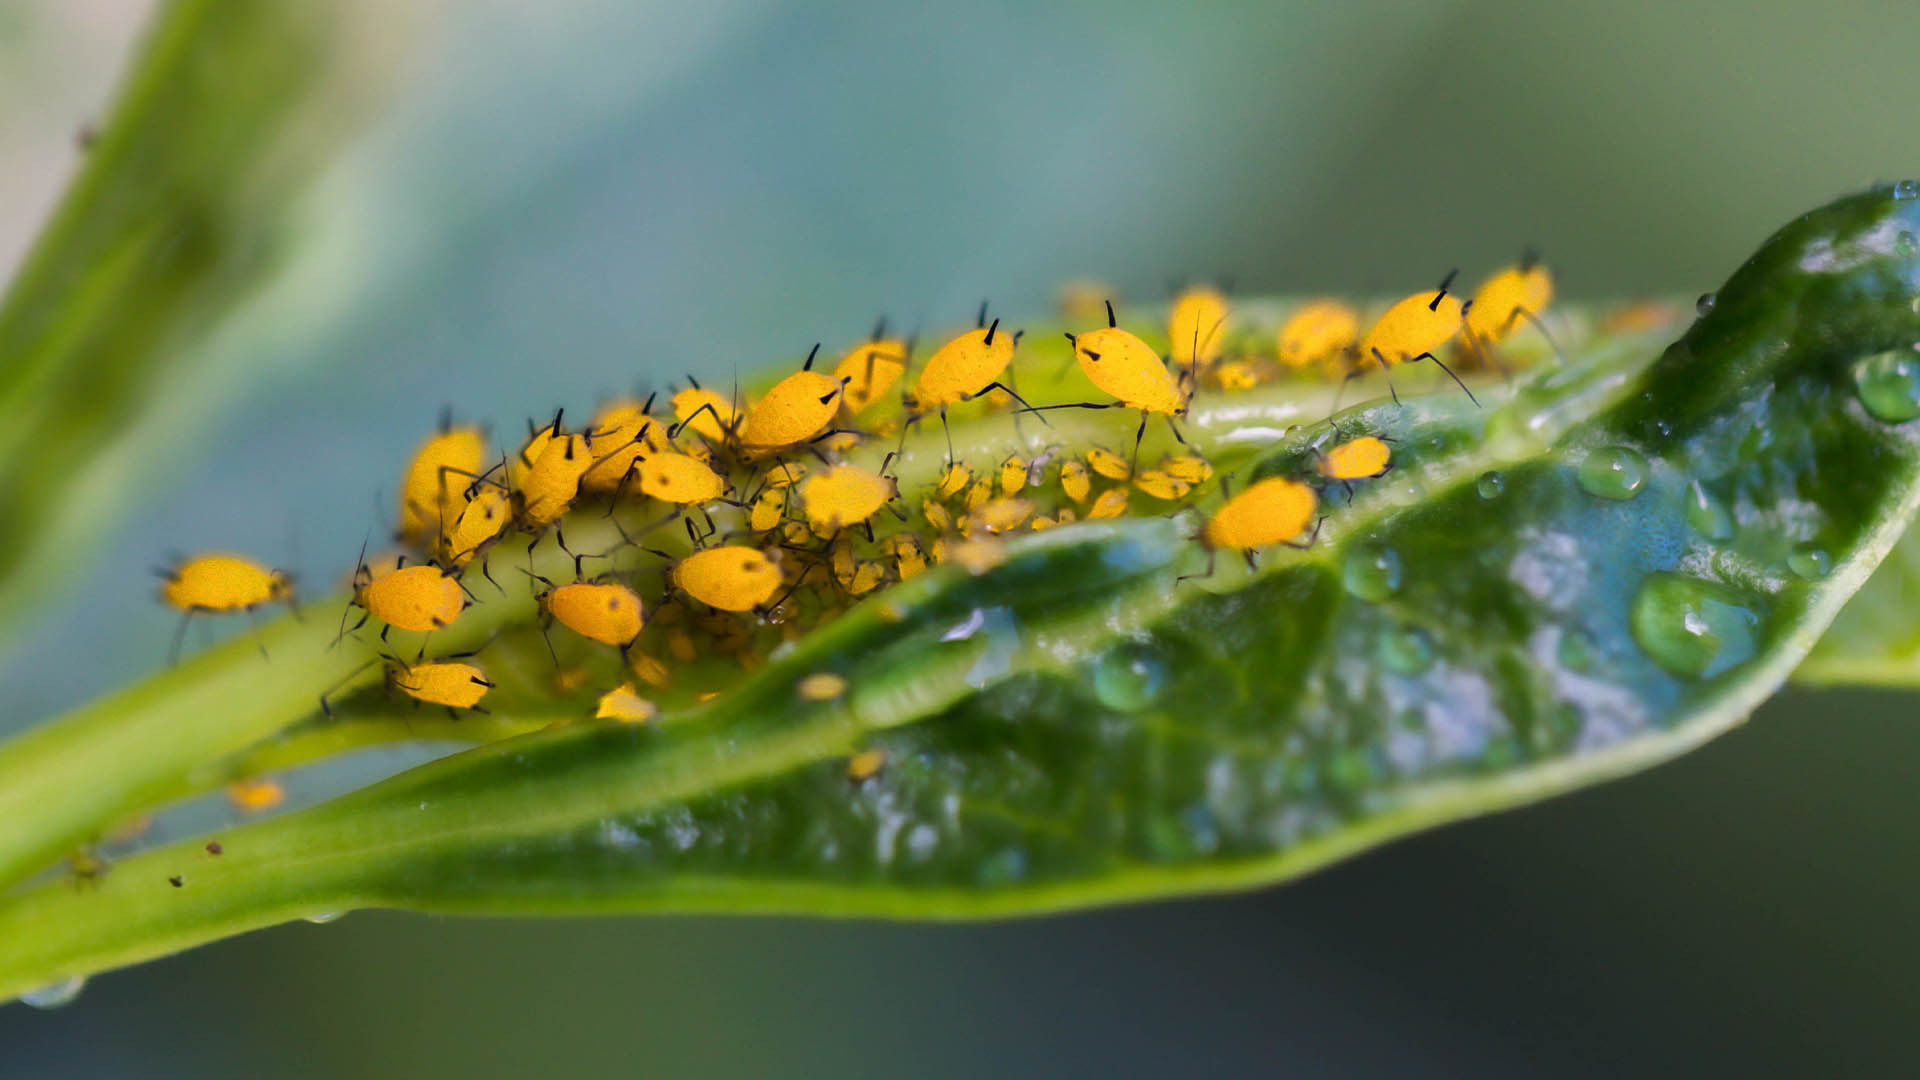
(1614, 472)
(54, 995)
(1406, 650)
(1490, 485)
(1889, 385)
(1703, 305)
(1707, 515)
(1694, 628)
(1906, 189)
(1372, 573)
(1810, 562)
(1130, 676)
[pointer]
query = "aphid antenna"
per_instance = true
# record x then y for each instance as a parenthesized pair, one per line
(980, 320)
(359, 568)
(879, 329)
(326, 707)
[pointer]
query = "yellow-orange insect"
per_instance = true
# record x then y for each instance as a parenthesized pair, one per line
(606, 612)
(797, 410)
(419, 598)
(1127, 368)
(961, 370)
(216, 583)
(1411, 330)
(1320, 332)
(440, 469)
(728, 578)
(842, 496)
(1196, 326)
(1271, 511)
(871, 368)
(1518, 292)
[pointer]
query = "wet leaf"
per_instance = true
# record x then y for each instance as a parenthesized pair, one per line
(1598, 571)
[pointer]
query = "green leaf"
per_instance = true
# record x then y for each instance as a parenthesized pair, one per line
(1601, 570)
(180, 213)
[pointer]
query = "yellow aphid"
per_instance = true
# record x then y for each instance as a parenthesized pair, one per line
(1413, 328)
(844, 495)
(1075, 482)
(938, 550)
(455, 685)
(838, 442)
(954, 480)
(1319, 332)
(979, 493)
(798, 408)
(255, 795)
(767, 511)
(977, 556)
(1506, 298)
(843, 564)
(728, 578)
(707, 413)
(1355, 459)
(418, 598)
(607, 613)
(219, 583)
(1188, 467)
(1127, 369)
(1003, 515)
(963, 368)
(866, 764)
(1108, 464)
(908, 558)
(937, 516)
(678, 479)
(1066, 516)
(795, 533)
(522, 463)
(553, 482)
(1237, 375)
(1272, 511)
(821, 686)
(1081, 299)
(651, 670)
(785, 475)
(441, 469)
(625, 705)
(866, 578)
(1111, 504)
(680, 646)
(621, 432)
(871, 369)
(480, 520)
(1197, 326)
(1041, 523)
(1162, 485)
(1013, 475)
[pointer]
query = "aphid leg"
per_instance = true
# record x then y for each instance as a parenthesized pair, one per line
(1540, 325)
(1384, 366)
(1010, 393)
(1133, 466)
(1212, 557)
(180, 634)
(1347, 486)
(1307, 544)
(253, 617)
(1175, 428)
(1450, 375)
(949, 430)
(1487, 354)
(326, 706)
(706, 407)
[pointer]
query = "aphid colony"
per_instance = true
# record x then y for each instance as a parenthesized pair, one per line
(745, 520)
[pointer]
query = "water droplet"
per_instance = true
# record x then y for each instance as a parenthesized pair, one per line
(1372, 573)
(1904, 245)
(54, 995)
(322, 918)
(1889, 385)
(1130, 676)
(1490, 485)
(1706, 514)
(1005, 867)
(1906, 189)
(1576, 649)
(1810, 561)
(1614, 472)
(1703, 305)
(1694, 628)
(1406, 650)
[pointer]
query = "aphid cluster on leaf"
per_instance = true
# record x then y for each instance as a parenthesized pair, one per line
(799, 497)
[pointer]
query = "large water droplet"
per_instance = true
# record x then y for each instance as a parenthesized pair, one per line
(1889, 385)
(1576, 649)
(1372, 573)
(1613, 472)
(1130, 676)
(1694, 628)
(322, 918)
(1703, 305)
(1906, 189)
(54, 995)
(1810, 561)
(1406, 650)
(1707, 515)
(1490, 485)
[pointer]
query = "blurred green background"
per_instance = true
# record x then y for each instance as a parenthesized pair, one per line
(569, 199)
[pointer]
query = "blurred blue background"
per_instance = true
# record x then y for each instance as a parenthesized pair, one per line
(569, 199)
